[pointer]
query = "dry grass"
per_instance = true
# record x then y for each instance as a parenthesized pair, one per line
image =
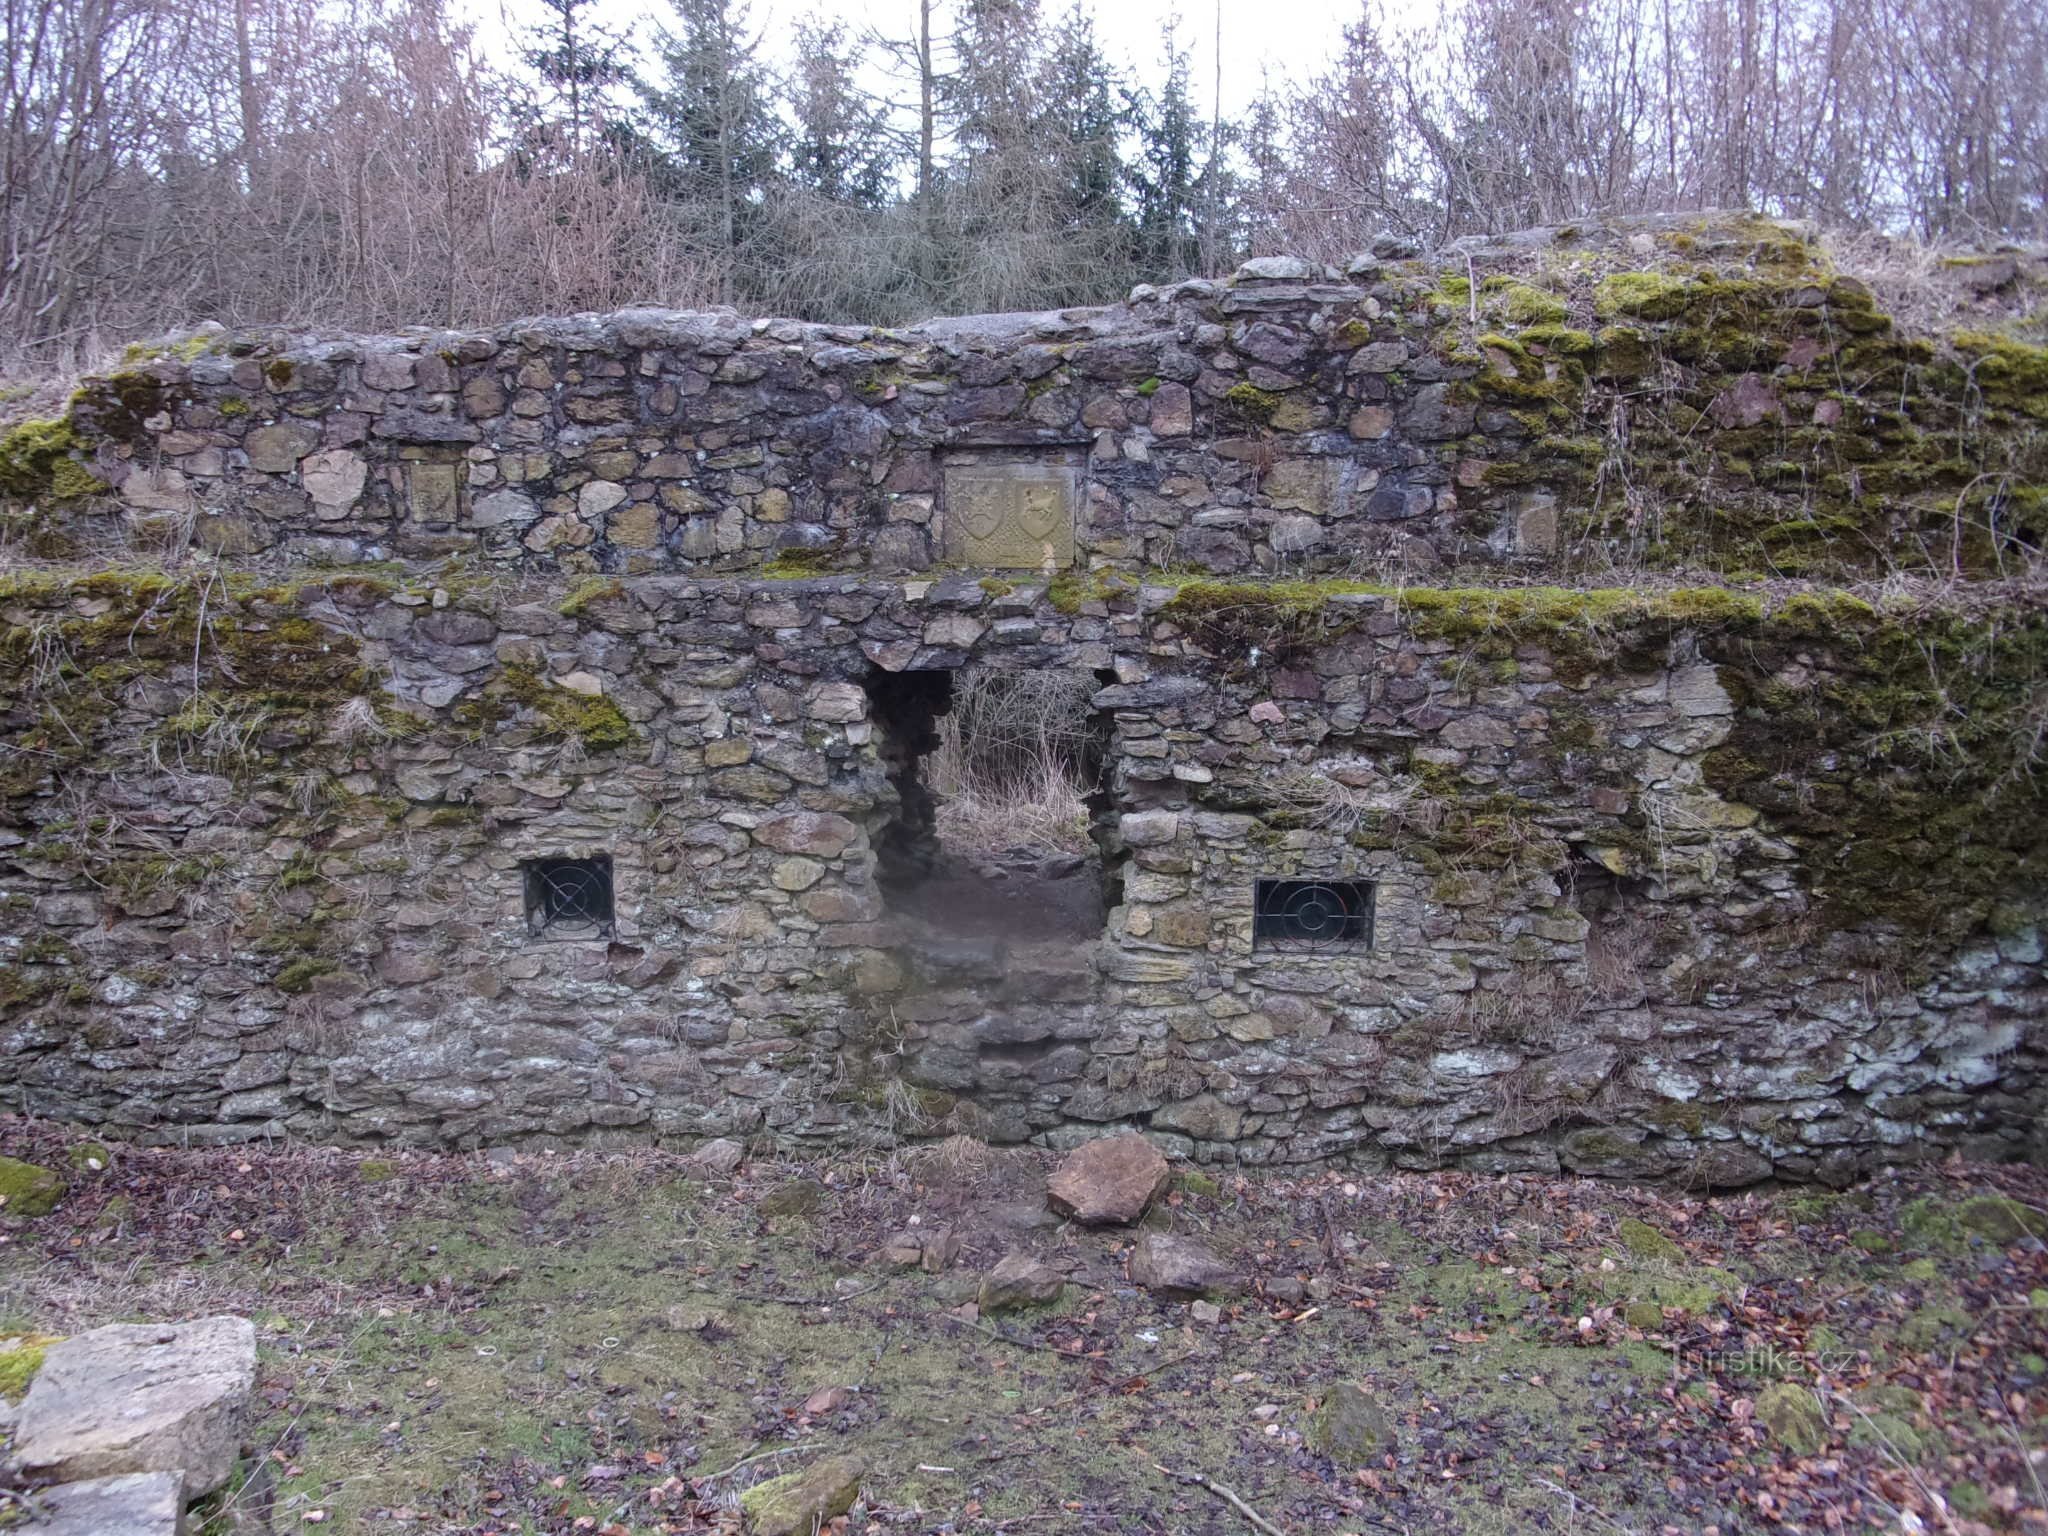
(1015, 762)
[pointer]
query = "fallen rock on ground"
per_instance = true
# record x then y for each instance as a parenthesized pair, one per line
(139, 1504)
(1019, 1280)
(799, 1503)
(1349, 1428)
(138, 1398)
(1109, 1181)
(1180, 1266)
(931, 1248)
(720, 1157)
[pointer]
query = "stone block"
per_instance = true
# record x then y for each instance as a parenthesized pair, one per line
(1109, 1180)
(138, 1398)
(277, 449)
(1015, 516)
(139, 1504)
(433, 492)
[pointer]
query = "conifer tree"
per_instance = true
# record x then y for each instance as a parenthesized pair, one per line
(1162, 176)
(708, 118)
(841, 148)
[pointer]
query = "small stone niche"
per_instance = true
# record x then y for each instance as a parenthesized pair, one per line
(1312, 915)
(569, 898)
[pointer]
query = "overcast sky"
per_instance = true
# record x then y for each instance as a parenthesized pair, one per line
(1291, 39)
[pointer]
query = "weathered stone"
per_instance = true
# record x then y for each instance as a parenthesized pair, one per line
(138, 1504)
(501, 507)
(433, 492)
(1173, 411)
(932, 1249)
(141, 1398)
(719, 1157)
(334, 478)
(1180, 1266)
(1350, 1428)
(157, 488)
(1275, 269)
(1109, 1180)
(821, 834)
(277, 449)
(599, 497)
(637, 526)
(1697, 691)
(803, 1503)
(1148, 829)
(1018, 1281)
(1011, 516)
(1204, 1117)
(797, 874)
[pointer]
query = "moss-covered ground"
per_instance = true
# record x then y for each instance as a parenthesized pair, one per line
(587, 1341)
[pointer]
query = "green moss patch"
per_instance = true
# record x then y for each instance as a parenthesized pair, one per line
(28, 1189)
(591, 719)
(21, 1356)
(1641, 296)
(41, 461)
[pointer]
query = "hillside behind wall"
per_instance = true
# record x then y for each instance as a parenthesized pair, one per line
(1706, 880)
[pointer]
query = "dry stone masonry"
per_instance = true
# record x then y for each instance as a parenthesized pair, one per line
(523, 743)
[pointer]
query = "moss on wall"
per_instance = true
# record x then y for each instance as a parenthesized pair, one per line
(262, 679)
(1909, 758)
(40, 461)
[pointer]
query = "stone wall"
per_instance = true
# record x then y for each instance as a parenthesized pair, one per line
(1739, 404)
(1630, 918)
(1702, 881)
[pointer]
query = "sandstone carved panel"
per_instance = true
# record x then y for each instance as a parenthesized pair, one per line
(434, 492)
(1011, 516)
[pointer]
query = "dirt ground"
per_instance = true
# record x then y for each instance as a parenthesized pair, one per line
(599, 1342)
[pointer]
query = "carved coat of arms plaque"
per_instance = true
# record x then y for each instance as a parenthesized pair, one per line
(1011, 516)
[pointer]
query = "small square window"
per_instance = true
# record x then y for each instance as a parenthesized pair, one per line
(1312, 914)
(569, 898)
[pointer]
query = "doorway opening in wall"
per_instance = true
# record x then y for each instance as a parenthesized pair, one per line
(1624, 930)
(1000, 778)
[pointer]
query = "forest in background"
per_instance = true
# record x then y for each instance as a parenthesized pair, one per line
(367, 164)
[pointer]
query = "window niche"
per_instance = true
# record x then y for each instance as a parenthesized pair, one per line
(569, 898)
(1312, 916)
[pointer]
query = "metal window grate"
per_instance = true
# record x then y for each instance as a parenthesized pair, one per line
(1312, 915)
(569, 898)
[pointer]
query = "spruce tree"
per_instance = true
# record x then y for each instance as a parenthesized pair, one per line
(1162, 176)
(713, 134)
(842, 148)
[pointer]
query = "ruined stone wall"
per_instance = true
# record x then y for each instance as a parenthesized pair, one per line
(1739, 406)
(1629, 918)
(1703, 881)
